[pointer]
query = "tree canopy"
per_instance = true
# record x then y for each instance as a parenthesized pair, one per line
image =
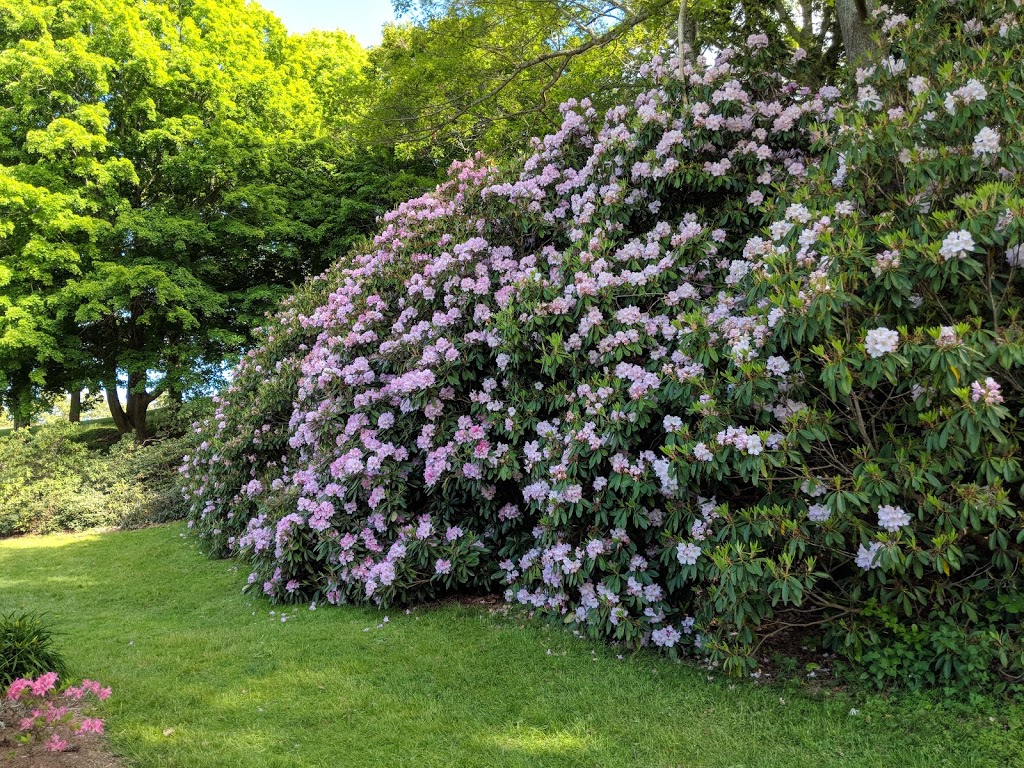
(155, 161)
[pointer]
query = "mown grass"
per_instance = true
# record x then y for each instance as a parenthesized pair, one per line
(205, 676)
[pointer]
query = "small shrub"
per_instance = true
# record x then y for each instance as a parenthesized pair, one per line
(26, 648)
(63, 477)
(45, 718)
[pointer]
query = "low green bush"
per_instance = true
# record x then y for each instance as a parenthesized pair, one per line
(60, 477)
(26, 648)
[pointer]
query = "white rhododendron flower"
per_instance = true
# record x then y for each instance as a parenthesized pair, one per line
(688, 554)
(947, 337)
(881, 341)
(918, 85)
(867, 557)
(701, 452)
(819, 513)
(868, 98)
(986, 142)
(892, 518)
(957, 245)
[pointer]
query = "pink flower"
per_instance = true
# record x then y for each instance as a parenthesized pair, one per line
(91, 725)
(990, 393)
(56, 744)
(55, 713)
(44, 683)
(15, 689)
(443, 566)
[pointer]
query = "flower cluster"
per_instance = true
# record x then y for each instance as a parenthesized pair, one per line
(44, 718)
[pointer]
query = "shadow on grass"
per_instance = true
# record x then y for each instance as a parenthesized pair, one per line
(205, 676)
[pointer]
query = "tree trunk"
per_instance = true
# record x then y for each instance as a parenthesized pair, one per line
(132, 416)
(75, 410)
(685, 38)
(852, 16)
(20, 422)
(138, 403)
(114, 404)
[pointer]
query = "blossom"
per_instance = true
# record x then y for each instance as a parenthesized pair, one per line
(666, 637)
(443, 566)
(688, 553)
(672, 423)
(892, 518)
(43, 684)
(881, 341)
(15, 689)
(819, 513)
(777, 365)
(957, 245)
(947, 337)
(918, 85)
(868, 98)
(886, 261)
(56, 744)
(867, 557)
(91, 725)
(988, 393)
(973, 90)
(1015, 256)
(756, 41)
(701, 452)
(986, 142)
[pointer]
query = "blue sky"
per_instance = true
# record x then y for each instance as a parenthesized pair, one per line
(362, 18)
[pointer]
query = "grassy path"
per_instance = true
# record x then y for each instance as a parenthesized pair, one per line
(145, 612)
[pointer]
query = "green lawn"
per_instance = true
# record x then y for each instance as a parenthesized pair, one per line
(170, 630)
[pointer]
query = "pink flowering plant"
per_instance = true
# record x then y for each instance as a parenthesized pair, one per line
(45, 717)
(733, 359)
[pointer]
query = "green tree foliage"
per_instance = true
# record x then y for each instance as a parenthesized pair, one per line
(466, 75)
(167, 171)
(488, 74)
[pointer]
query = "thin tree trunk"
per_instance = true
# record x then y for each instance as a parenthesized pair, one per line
(852, 16)
(75, 410)
(114, 404)
(685, 37)
(137, 405)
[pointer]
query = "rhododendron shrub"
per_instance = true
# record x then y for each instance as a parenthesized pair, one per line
(732, 359)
